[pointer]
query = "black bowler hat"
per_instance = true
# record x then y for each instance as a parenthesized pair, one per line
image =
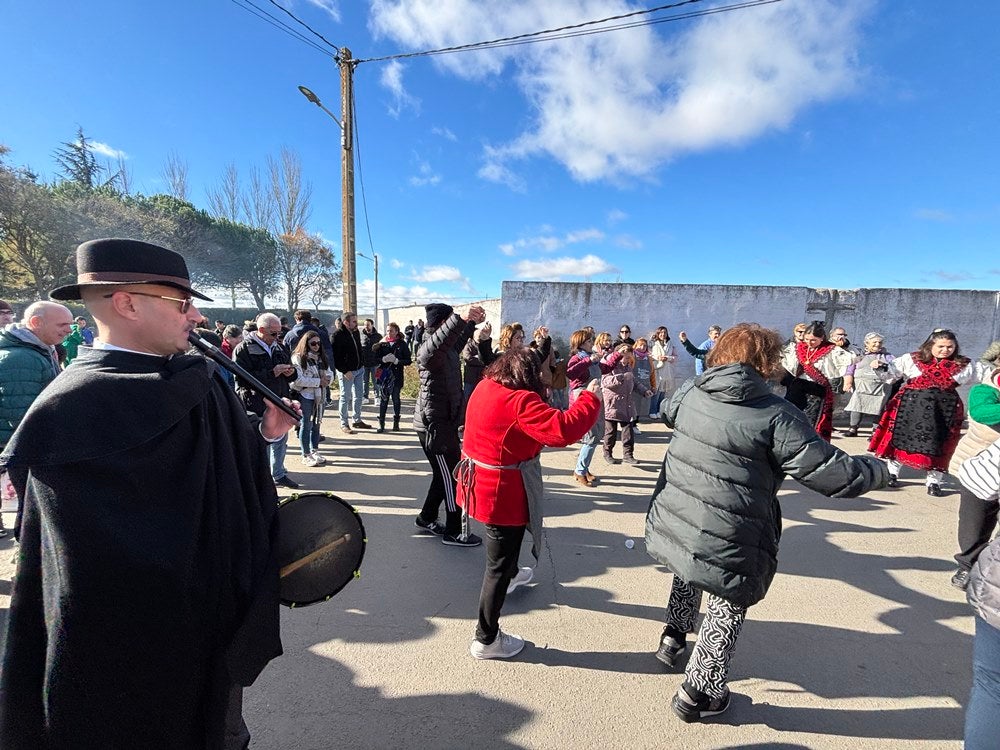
(437, 313)
(116, 262)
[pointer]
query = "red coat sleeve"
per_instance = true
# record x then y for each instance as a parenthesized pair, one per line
(550, 426)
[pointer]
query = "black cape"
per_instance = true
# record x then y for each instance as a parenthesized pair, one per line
(146, 586)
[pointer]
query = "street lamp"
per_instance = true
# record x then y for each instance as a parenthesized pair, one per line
(345, 122)
(374, 259)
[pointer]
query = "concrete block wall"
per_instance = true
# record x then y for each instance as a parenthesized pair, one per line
(402, 315)
(903, 316)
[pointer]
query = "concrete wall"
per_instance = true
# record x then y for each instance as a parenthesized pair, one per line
(402, 315)
(903, 316)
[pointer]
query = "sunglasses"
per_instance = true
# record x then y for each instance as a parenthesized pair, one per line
(186, 302)
(625, 330)
(314, 342)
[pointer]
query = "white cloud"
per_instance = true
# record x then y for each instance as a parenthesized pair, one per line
(392, 79)
(445, 133)
(548, 242)
(618, 105)
(396, 263)
(628, 242)
(616, 215)
(426, 176)
(332, 7)
(430, 274)
(105, 150)
(558, 268)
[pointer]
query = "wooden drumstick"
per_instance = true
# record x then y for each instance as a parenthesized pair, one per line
(316, 554)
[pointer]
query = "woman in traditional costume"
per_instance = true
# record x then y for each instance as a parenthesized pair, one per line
(810, 365)
(921, 424)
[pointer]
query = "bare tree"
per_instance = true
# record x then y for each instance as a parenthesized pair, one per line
(292, 198)
(226, 201)
(258, 205)
(175, 174)
(123, 176)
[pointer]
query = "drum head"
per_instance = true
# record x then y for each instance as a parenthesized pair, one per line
(321, 542)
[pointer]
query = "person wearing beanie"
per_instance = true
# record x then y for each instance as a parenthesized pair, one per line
(437, 415)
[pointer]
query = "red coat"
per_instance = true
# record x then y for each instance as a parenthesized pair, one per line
(504, 427)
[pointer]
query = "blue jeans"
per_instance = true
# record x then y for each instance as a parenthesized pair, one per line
(356, 387)
(590, 441)
(655, 401)
(276, 454)
(982, 717)
(308, 429)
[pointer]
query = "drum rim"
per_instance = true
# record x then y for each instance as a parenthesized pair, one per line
(292, 604)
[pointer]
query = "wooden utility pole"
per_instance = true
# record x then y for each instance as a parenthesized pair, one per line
(348, 265)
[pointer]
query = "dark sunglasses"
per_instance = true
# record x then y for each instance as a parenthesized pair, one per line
(185, 303)
(314, 342)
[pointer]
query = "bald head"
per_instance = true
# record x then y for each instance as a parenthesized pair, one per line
(49, 321)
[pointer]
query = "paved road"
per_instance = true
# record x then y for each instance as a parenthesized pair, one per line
(861, 642)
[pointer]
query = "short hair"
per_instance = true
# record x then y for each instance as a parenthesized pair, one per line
(369, 320)
(315, 321)
(748, 344)
(392, 325)
(303, 316)
(345, 316)
(231, 332)
(516, 369)
(578, 338)
(267, 319)
(715, 328)
(283, 320)
(216, 322)
(924, 352)
(507, 333)
(78, 318)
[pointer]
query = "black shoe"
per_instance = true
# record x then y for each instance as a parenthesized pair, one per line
(670, 650)
(380, 429)
(690, 709)
(851, 432)
(434, 527)
(961, 579)
(322, 439)
(395, 426)
(893, 480)
(461, 540)
(286, 481)
(610, 459)
(630, 460)
(361, 425)
(934, 490)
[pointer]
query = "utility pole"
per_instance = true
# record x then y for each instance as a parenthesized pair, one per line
(348, 265)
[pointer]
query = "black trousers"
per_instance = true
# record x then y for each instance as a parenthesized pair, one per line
(384, 403)
(977, 520)
(503, 547)
(442, 487)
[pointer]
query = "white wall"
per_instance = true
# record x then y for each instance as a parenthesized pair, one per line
(402, 315)
(903, 316)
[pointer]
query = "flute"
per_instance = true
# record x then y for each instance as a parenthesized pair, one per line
(212, 351)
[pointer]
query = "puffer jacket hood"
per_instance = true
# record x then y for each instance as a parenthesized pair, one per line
(732, 384)
(17, 334)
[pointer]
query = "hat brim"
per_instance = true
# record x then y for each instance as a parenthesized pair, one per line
(71, 292)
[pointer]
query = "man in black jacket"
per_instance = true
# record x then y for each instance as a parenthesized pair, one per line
(261, 354)
(303, 323)
(369, 337)
(159, 601)
(437, 415)
(348, 360)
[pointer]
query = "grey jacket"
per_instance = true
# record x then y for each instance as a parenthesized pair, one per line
(984, 585)
(715, 519)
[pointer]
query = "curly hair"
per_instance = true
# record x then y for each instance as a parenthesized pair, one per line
(507, 333)
(603, 340)
(516, 369)
(748, 344)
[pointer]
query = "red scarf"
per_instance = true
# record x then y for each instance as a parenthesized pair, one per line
(806, 357)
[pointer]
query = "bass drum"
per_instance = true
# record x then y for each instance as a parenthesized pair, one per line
(321, 543)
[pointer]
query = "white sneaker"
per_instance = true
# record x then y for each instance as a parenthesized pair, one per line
(318, 457)
(309, 460)
(523, 578)
(504, 647)
(636, 430)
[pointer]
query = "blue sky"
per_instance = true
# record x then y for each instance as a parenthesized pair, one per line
(805, 142)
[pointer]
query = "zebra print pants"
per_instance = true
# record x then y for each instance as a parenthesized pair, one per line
(708, 667)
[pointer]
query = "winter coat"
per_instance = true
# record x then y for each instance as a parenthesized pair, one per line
(578, 370)
(26, 367)
(983, 591)
(308, 377)
(71, 344)
(439, 400)
(984, 419)
(664, 367)
(398, 347)
(368, 341)
(472, 360)
(504, 427)
(252, 356)
(297, 331)
(347, 350)
(643, 370)
(617, 387)
(715, 520)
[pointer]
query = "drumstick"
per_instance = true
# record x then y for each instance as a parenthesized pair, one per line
(303, 561)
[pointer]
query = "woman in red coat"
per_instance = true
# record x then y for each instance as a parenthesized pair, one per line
(499, 477)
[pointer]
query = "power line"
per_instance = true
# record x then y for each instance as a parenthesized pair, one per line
(361, 173)
(298, 20)
(579, 29)
(280, 25)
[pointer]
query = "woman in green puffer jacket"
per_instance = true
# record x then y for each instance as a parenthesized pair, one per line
(714, 520)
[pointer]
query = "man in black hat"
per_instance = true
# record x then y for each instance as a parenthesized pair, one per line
(437, 415)
(146, 593)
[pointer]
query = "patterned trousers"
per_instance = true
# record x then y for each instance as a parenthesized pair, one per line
(708, 667)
